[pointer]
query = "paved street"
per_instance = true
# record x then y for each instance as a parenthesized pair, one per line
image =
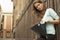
(6, 39)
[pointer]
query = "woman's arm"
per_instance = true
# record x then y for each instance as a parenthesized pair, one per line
(57, 21)
(54, 15)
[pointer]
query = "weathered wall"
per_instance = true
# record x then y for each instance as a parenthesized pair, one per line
(23, 31)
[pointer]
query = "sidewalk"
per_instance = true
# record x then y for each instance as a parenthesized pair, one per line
(6, 39)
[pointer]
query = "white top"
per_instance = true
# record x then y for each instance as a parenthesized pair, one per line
(50, 14)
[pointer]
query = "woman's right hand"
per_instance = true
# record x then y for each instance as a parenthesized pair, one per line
(42, 22)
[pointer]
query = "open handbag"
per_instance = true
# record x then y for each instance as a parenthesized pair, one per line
(39, 29)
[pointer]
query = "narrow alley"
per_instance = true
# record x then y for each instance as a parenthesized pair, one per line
(17, 18)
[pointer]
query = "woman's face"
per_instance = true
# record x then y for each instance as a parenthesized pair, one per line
(39, 6)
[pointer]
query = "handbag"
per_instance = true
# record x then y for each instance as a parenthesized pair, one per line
(40, 29)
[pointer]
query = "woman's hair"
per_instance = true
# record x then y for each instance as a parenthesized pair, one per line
(35, 10)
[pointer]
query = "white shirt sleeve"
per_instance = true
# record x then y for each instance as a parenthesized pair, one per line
(53, 14)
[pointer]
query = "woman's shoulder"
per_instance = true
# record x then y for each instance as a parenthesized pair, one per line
(49, 9)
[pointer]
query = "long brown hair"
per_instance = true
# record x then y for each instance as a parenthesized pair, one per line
(36, 11)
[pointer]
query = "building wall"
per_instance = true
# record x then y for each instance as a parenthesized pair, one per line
(6, 24)
(9, 22)
(19, 6)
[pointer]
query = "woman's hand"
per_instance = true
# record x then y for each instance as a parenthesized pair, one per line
(42, 22)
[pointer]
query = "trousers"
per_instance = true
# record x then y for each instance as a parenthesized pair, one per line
(48, 37)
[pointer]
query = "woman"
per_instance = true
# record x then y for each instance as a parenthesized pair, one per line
(47, 15)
